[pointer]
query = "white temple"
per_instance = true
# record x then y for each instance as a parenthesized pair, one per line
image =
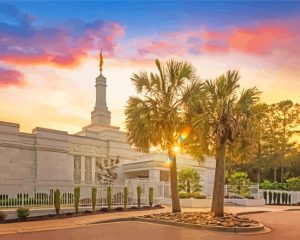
(48, 158)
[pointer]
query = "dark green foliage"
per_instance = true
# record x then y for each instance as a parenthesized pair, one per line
(195, 195)
(125, 197)
(270, 197)
(76, 198)
(150, 197)
(139, 195)
(2, 216)
(109, 197)
(94, 198)
(293, 184)
(265, 196)
(23, 213)
(275, 197)
(57, 201)
(282, 198)
(278, 198)
(188, 180)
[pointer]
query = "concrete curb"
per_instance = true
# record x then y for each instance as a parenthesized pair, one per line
(257, 229)
(212, 228)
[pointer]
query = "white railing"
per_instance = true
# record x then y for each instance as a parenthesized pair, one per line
(44, 196)
(280, 197)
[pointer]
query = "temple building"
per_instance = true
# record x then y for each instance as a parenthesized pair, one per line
(49, 158)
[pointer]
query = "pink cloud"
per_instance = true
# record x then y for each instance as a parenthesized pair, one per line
(10, 78)
(261, 39)
(64, 45)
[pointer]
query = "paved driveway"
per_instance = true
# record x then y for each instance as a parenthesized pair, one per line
(285, 225)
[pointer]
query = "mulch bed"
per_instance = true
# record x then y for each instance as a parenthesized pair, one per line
(80, 214)
(205, 219)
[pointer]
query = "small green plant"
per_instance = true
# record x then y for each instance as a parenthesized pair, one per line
(76, 198)
(57, 201)
(94, 198)
(125, 197)
(150, 197)
(265, 196)
(275, 197)
(139, 194)
(2, 216)
(109, 197)
(270, 197)
(23, 213)
(293, 184)
(278, 198)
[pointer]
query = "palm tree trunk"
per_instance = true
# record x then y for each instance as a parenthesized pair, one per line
(217, 207)
(174, 184)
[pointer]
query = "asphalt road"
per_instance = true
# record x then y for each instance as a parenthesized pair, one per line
(284, 225)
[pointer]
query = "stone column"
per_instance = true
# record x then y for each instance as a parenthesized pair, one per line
(93, 170)
(82, 169)
(154, 175)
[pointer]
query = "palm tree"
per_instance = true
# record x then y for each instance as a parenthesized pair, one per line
(223, 116)
(156, 116)
(189, 180)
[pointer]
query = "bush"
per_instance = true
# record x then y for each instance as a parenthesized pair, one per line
(76, 198)
(270, 197)
(293, 184)
(239, 184)
(150, 197)
(195, 195)
(109, 198)
(57, 201)
(2, 216)
(125, 197)
(94, 198)
(139, 195)
(23, 213)
(278, 198)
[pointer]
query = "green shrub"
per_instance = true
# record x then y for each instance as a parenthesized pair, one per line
(94, 198)
(265, 196)
(275, 197)
(57, 201)
(150, 197)
(2, 216)
(270, 197)
(139, 195)
(239, 184)
(125, 197)
(293, 184)
(76, 198)
(109, 197)
(23, 213)
(195, 195)
(278, 198)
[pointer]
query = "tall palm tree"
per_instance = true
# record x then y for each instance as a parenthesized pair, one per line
(156, 116)
(223, 115)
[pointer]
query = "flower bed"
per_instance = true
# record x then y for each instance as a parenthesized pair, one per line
(229, 222)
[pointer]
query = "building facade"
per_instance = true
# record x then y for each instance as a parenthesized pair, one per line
(47, 158)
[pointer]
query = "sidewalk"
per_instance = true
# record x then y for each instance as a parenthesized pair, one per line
(76, 222)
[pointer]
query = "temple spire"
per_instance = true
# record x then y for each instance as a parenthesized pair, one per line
(100, 61)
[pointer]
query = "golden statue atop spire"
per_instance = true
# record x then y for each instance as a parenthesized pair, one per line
(101, 61)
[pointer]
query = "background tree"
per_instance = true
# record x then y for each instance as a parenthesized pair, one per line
(189, 180)
(156, 116)
(222, 116)
(285, 120)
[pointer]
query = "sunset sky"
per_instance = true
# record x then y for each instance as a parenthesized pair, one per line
(49, 52)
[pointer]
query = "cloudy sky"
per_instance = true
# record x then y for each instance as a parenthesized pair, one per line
(49, 51)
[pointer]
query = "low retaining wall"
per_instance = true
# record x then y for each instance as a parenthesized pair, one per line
(192, 203)
(246, 202)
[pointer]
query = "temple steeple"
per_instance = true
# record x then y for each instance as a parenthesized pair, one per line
(101, 115)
